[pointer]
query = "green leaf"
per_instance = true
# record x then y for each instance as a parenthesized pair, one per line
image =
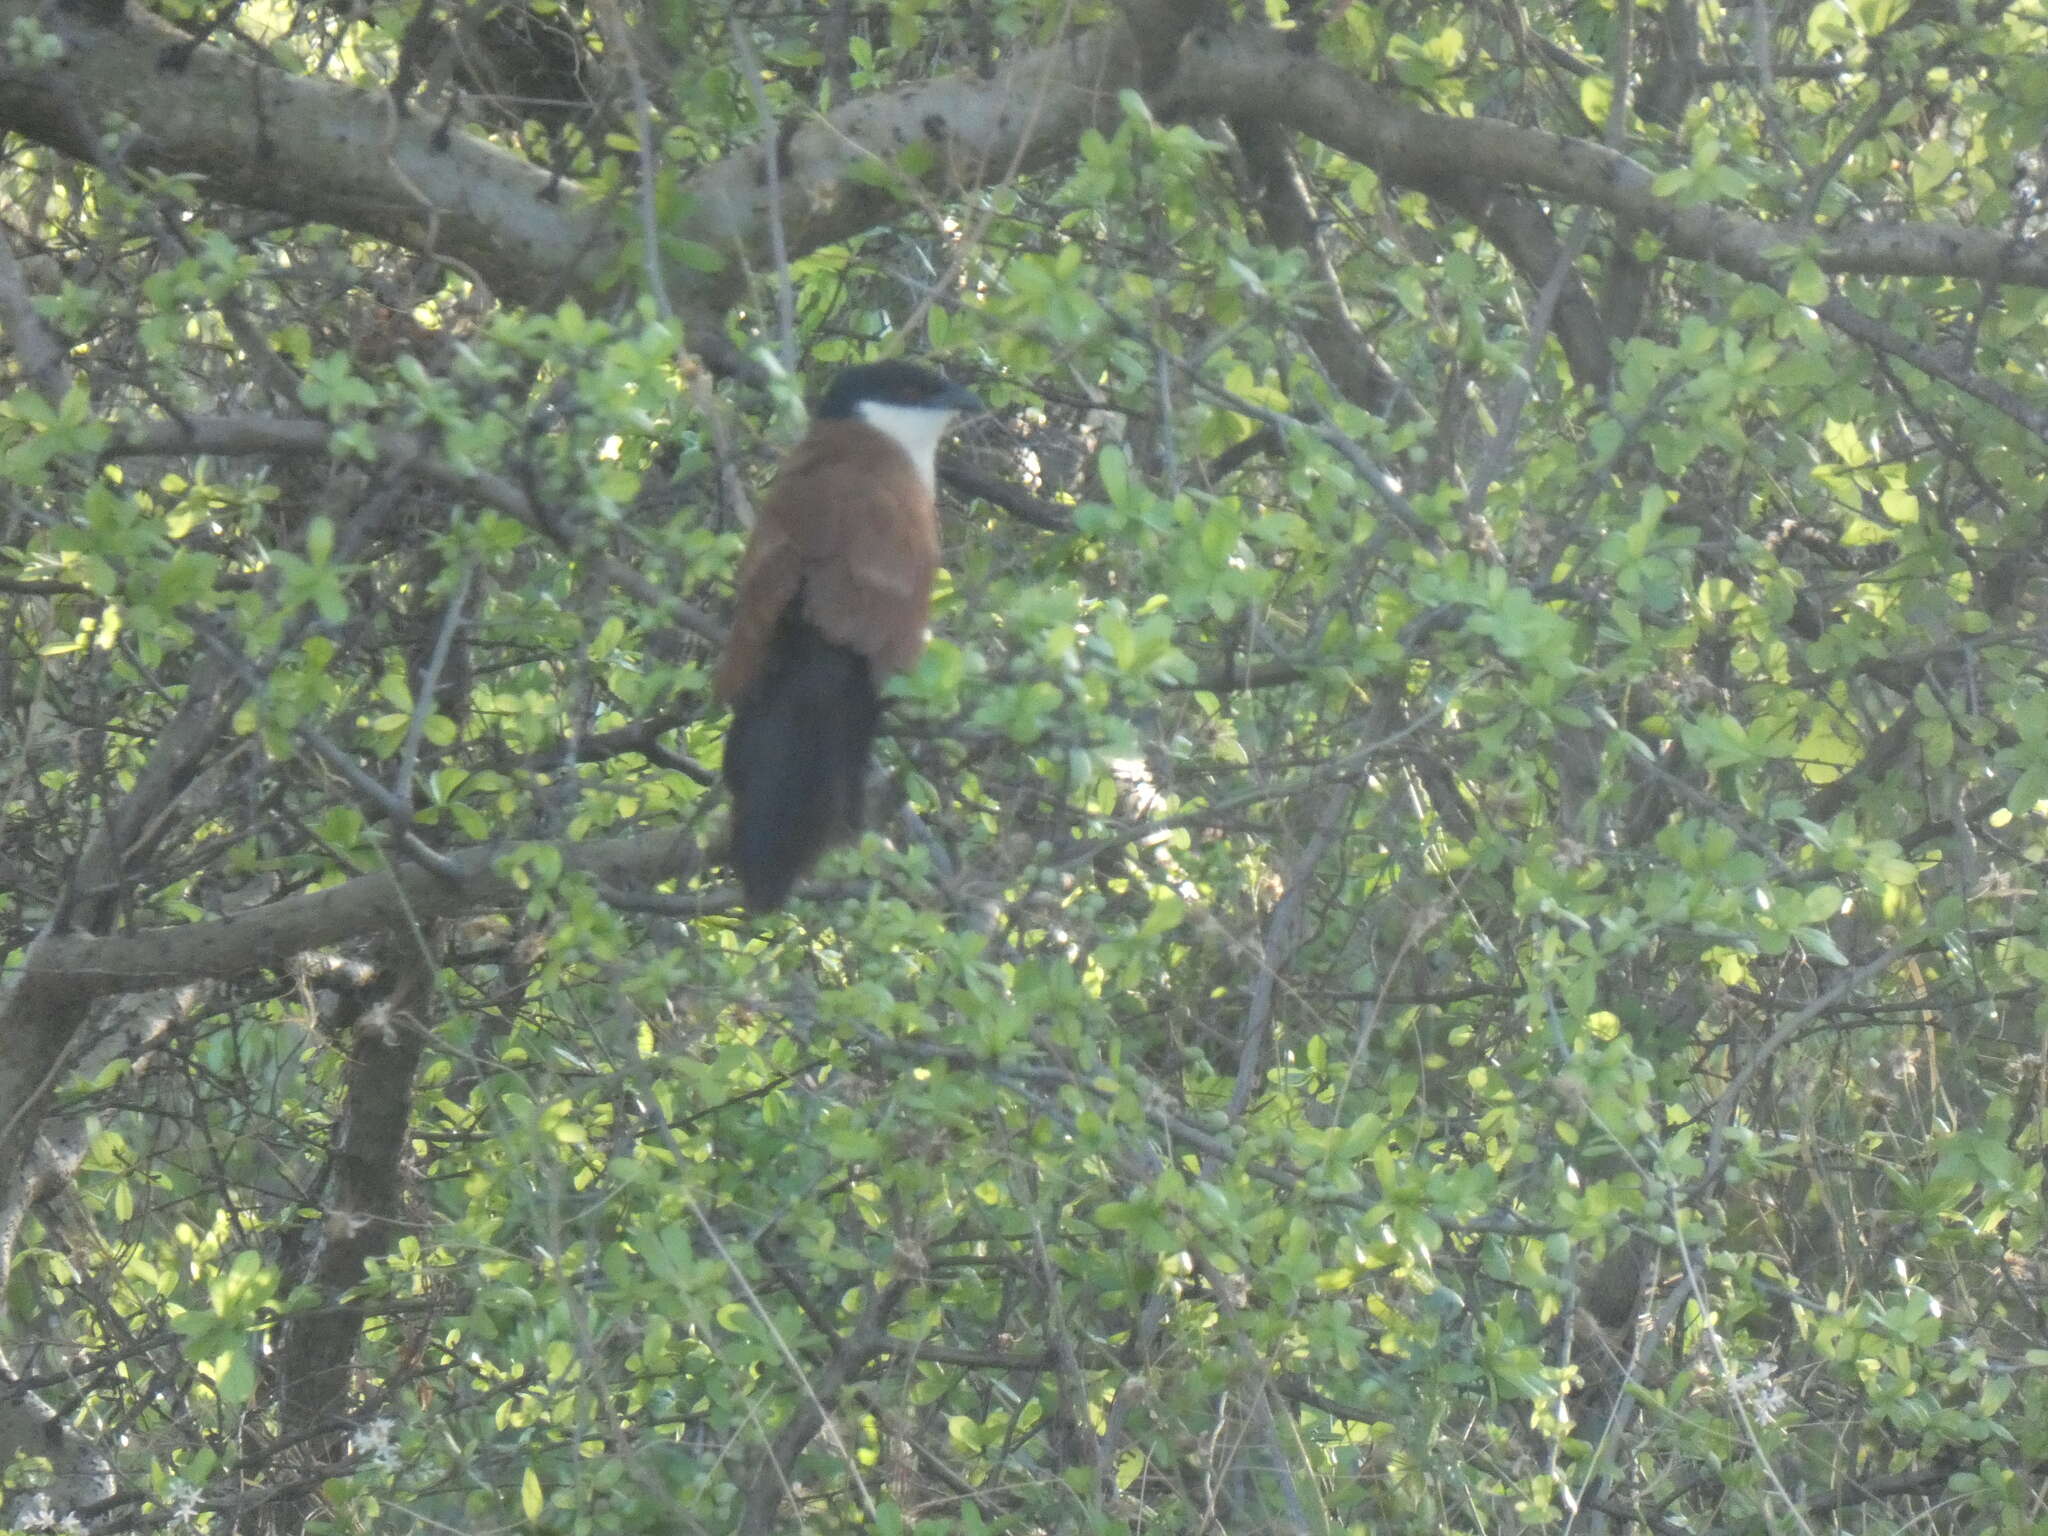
(531, 1500)
(1807, 283)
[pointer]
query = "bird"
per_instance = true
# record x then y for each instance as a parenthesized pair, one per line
(833, 593)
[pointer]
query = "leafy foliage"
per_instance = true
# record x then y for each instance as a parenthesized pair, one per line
(1467, 959)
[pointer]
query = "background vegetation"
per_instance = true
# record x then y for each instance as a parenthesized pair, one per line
(1454, 939)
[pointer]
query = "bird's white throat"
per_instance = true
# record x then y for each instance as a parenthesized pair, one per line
(916, 429)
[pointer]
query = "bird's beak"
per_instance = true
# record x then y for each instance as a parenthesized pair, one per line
(964, 401)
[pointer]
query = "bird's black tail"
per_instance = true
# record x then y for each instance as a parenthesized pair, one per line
(796, 759)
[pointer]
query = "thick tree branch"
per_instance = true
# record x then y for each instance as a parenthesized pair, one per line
(1254, 71)
(1937, 364)
(63, 973)
(266, 436)
(1049, 516)
(1524, 234)
(361, 1219)
(307, 147)
(318, 150)
(1282, 198)
(974, 132)
(66, 970)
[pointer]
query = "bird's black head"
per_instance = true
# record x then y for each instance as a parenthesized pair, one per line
(893, 383)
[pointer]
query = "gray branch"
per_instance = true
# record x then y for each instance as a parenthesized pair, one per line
(1255, 71)
(321, 150)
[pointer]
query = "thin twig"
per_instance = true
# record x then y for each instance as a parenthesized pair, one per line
(771, 169)
(429, 684)
(1283, 936)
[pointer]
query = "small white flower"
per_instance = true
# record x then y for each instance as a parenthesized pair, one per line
(373, 1442)
(1760, 1391)
(35, 1514)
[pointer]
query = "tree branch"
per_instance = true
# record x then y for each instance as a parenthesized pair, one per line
(319, 150)
(775, 1471)
(1049, 516)
(1254, 71)
(40, 356)
(361, 1219)
(271, 436)
(308, 147)
(65, 970)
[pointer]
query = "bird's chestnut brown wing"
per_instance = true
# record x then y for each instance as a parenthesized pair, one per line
(850, 524)
(770, 573)
(872, 589)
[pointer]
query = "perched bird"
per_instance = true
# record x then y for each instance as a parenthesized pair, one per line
(834, 592)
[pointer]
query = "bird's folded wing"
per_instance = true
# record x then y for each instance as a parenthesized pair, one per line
(850, 524)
